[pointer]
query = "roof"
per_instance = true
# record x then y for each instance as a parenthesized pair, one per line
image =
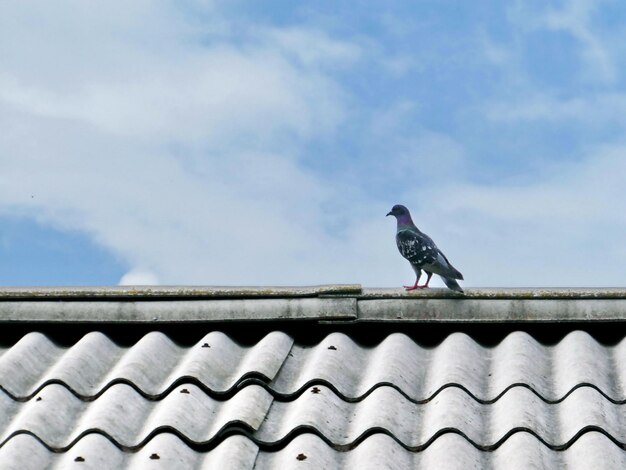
(323, 377)
(326, 303)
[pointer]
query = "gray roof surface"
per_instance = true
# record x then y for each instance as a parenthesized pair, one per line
(220, 366)
(340, 303)
(280, 403)
(59, 419)
(522, 451)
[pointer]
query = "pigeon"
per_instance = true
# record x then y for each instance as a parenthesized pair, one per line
(422, 253)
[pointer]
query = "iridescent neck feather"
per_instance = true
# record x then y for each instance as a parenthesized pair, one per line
(405, 221)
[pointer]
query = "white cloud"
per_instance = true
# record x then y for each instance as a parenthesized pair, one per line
(139, 277)
(410, 154)
(182, 159)
(593, 110)
(398, 65)
(596, 49)
(313, 47)
(575, 19)
(222, 94)
(592, 98)
(563, 230)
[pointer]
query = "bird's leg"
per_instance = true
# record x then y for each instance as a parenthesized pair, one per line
(425, 286)
(414, 286)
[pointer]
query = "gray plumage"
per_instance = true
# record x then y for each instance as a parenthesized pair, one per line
(420, 250)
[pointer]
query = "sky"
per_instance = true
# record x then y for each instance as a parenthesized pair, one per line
(262, 143)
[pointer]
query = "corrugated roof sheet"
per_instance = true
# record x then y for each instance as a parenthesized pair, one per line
(153, 365)
(219, 365)
(59, 419)
(522, 451)
(338, 403)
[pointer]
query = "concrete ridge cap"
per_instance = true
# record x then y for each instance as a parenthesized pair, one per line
(522, 293)
(180, 292)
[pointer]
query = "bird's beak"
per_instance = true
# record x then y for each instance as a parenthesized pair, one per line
(388, 214)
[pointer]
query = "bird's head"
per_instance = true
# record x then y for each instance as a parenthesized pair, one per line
(399, 211)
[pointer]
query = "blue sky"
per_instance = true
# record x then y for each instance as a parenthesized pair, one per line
(208, 142)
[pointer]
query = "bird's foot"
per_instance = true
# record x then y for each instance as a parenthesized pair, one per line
(425, 286)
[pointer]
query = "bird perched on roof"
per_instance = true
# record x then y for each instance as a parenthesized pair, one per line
(422, 253)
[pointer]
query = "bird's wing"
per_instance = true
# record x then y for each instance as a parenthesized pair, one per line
(418, 248)
(442, 266)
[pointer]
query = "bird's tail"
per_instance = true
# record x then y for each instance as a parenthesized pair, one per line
(452, 284)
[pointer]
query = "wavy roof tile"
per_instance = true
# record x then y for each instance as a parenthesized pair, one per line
(521, 451)
(152, 365)
(58, 418)
(218, 364)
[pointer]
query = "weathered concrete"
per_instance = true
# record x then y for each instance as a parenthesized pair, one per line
(491, 310)
(493, 305)
(106, 311)
(331, 303)
(498, 293)
(177, 292)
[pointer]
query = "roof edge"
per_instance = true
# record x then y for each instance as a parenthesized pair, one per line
(137, 293)
(326, 303)
(526, 293)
